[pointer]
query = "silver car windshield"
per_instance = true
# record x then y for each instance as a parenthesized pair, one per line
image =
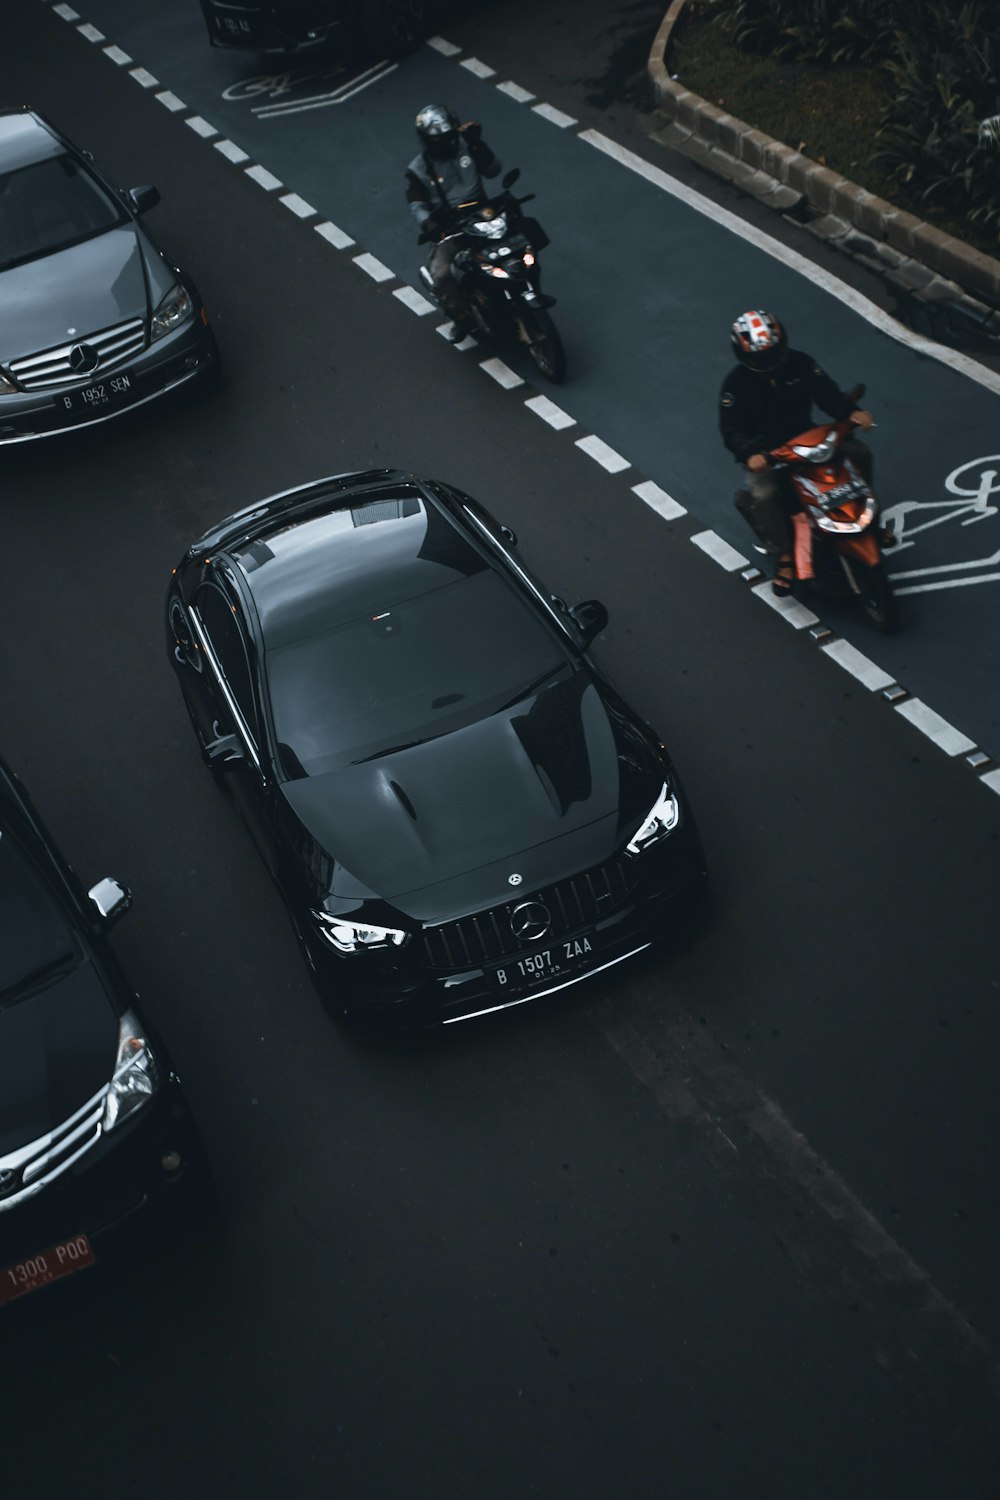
(49, 206)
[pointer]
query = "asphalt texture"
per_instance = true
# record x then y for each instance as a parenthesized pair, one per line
(724, 1223)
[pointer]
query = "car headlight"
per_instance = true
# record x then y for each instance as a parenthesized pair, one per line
(663, 818)
(176, 307)
(136, 1076)
(350, 937)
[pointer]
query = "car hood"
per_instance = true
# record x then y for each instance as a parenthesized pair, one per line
(547, 770)
(56, 1050)
(72, 293)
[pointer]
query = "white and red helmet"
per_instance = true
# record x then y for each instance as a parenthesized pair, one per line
(759, 341)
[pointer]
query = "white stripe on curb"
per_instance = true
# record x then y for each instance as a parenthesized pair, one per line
(373, 268)
(263, 178)
(712, 544)
(867, 673)
(412, 299)
(944, 735)
(550, 412)
(790, 609)
(479, 68)
(664, 505)
(334, 236)
(231, 151)
(91, 33)
(602, 454)
(200, 127)
(298, 206)
(170, 101)
(556, 116)
(501, 373)
(515, 91)
(144, 78)
(117, 56)
(446, 49)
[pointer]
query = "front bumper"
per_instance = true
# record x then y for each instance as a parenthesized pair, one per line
(185, 355)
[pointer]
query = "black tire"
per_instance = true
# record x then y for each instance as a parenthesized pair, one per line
(876, 597)
(544, 344)
(394, 26)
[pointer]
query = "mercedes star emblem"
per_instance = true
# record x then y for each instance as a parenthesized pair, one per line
(514, 879)
(8, 1178)
(83, 358)
(530, 921)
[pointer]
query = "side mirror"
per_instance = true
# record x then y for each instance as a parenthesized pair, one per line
(224, 753)
(509, 178)
(508, 535)
(143, 198)
(590, 618)
(111, 898)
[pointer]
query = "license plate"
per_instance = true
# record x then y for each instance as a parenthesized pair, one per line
(555, 959)
(36, 1271)
(232, 24)
(97, 397)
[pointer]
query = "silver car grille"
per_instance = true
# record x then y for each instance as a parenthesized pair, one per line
(53, 367)
(24, 1172)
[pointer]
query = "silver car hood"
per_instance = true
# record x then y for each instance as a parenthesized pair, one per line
(73, 293)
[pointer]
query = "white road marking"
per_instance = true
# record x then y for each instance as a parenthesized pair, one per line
(263, 178)
(297, 206)
(599, 451)
(91, 33)
(550, 412)
(790, 609)
(553, 115)
(713, 545)
(944, 735)
(144, 78)
(867, 673)
(992, 780)
(480, 69)
(795, 262)
(117, 56)
(200, 127)
(412, 299)
(334, 236)
(501, 373)
(373, 268)
(231, 151)
(515, 91)
(664, 505)
(946, 583)
(446, 49)
(323, 101)
(170, 101)
(66, 11)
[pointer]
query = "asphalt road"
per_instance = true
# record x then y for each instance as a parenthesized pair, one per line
(723, 1225)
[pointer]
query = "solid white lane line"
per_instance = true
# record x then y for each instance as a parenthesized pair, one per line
(412, 299)
(144, 78)
(550, 412)
(790, 609)
(200, 127)
(117, 56)
(555, 116)
(664, 505)
(263, 178)
(599, 451)
(946, 583)
(91, 33)
(713, 545)
(944, 735)
(231, 151)
(446, 49)
(298, 206)
(170, 101)
(373, 268)
(867, 673)
(479, 68)
(515, 91)
(856, 301)
(501, 373)
(334, 236)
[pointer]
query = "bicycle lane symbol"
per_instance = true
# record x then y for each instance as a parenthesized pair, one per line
(974, 483)
(284, 90)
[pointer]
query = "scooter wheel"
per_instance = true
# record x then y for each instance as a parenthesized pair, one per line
(544, 344)
(876, 597)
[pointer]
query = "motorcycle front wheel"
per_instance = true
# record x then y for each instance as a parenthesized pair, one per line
(875, 596)
(544, 344)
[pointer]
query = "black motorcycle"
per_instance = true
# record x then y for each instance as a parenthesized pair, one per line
(498, 272)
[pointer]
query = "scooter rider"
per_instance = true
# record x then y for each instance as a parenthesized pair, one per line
(766, 399)
(449, 170)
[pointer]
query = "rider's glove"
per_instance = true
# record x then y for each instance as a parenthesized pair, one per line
(757, 462)
(473, 132)
(863, 419)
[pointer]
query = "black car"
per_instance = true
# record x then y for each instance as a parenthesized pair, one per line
(94, 319)
(460, 810)
(303, 26)
(94, 1132)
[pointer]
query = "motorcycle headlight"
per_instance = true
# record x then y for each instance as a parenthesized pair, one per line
(136, 1076)
(174, 310)
(352, 937)
(819, 453)
(491, 229)
(662, 819)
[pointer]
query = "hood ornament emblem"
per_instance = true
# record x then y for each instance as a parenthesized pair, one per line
(530, 921)
(514, 879)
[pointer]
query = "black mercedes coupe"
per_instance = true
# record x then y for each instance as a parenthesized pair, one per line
(460, 810)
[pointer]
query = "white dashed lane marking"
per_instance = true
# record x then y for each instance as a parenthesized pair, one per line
(446, 49)
(501, 373)
(790, 609)
(515, 91)
(412, 299)
(601, 453)
(373, 267)
(664, 505)
(944, 735)
(334, 236)
(200, 127)
(232, 152)
(91, 33)
(297, 206)
(144, 78)
(67, 12)
(480, 69)
(992, 780)
(117, 56)
(867, 673)
(550, 412)
(713, 545)
(170, 101)
(263, 178)
(553, 115)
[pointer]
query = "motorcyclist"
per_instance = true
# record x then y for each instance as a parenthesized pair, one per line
(766, 399)
(449, 171)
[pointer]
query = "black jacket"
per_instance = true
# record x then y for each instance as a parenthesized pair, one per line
(759, 412)
(435, 187)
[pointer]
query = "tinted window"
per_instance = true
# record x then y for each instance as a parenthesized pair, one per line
(33, 935)
(50, 205)
(428, 666)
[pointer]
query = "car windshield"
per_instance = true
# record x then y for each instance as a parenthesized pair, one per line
(402, 675)
(34, 939)
(48, 206)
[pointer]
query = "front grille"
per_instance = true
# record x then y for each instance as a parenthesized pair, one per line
(38, 372)
(487, 937)
(32, 1167)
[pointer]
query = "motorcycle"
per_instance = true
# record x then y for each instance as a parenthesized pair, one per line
(498, 272)
(838, 537)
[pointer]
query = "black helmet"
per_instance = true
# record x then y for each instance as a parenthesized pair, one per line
(759, 341)
(437, 130)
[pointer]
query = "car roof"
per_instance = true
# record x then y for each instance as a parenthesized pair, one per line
(364, 554)
(25, 139)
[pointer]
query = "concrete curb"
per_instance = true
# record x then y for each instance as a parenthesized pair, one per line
(829, 193)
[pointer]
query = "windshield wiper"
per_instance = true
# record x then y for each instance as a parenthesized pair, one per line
(393, 749)
(37, 980)
(532, 687)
